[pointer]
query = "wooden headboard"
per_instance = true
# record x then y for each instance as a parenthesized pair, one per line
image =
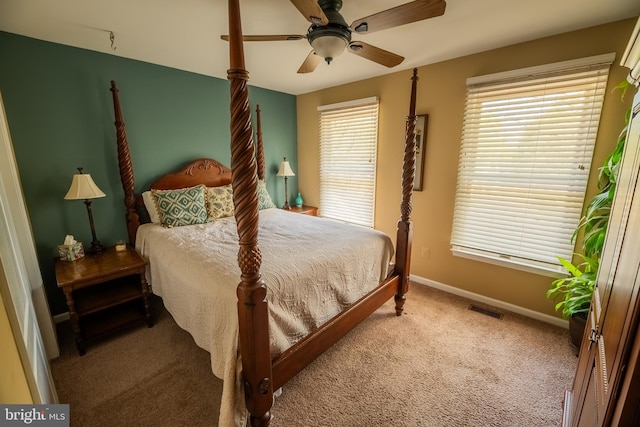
(205, 171)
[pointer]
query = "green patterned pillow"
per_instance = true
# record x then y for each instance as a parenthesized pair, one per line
(264, 199)
(181, 207)
(220, 202)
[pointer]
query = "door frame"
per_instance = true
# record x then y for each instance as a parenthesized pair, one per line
(22, 287)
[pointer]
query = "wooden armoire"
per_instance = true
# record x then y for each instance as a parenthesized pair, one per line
(606, 388)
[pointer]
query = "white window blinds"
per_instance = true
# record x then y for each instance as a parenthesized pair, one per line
(348, 146)
(527, 143)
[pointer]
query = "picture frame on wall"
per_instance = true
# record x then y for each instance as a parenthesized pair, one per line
(421, 147)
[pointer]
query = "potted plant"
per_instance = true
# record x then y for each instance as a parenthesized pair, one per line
(573, 293)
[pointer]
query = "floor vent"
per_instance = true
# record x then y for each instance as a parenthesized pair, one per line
(486, 311)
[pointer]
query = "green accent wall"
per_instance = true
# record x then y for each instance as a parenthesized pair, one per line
(60, 113)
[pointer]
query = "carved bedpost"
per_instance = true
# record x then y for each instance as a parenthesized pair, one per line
(126, 169)
(259, 146)
(253, 315)
(405, 228)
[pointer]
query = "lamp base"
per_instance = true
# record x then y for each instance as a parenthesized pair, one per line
(286, 195)
(96, 248)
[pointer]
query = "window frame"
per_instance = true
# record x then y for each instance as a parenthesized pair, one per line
(348, 144)
(461, 245)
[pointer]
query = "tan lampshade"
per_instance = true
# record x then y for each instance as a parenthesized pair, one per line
(83, 187)
(285, 169)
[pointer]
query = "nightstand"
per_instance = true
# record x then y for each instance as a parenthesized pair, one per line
(306, 210)
(105, 293)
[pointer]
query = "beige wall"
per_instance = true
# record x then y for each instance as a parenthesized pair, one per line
(441, 94)
(13, 381)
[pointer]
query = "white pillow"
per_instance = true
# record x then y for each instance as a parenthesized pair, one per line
(152, 208)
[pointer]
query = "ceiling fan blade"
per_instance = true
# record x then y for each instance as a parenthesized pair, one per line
(311, 11)
(268, 38)
(310, 63)
(404, 14)
(375, 54)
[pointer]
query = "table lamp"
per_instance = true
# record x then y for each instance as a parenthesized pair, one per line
(285, 170)
(83, 187)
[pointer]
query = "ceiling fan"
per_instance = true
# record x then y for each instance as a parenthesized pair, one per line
(329, 34)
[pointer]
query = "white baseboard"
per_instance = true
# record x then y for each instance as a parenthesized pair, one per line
(491, 301)
(62, 317)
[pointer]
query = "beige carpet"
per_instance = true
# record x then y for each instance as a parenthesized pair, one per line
(438, 365)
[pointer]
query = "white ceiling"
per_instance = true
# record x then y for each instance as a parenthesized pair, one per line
(185, 34)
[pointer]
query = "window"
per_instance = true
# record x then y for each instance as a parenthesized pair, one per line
(348, 144)
(527, 142)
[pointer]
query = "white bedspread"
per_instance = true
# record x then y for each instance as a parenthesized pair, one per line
(313, 268)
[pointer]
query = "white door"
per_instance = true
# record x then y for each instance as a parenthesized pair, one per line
(22, 287)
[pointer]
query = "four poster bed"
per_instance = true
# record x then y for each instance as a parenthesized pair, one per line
(295, 297)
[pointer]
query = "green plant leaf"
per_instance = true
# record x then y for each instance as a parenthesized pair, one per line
(572, 294)
(624, 85)
(570, 267)
(593, 242)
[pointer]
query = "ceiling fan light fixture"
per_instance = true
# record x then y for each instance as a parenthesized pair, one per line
(329, 42)
(329, 47)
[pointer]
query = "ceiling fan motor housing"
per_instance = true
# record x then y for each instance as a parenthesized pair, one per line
(329, 41)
